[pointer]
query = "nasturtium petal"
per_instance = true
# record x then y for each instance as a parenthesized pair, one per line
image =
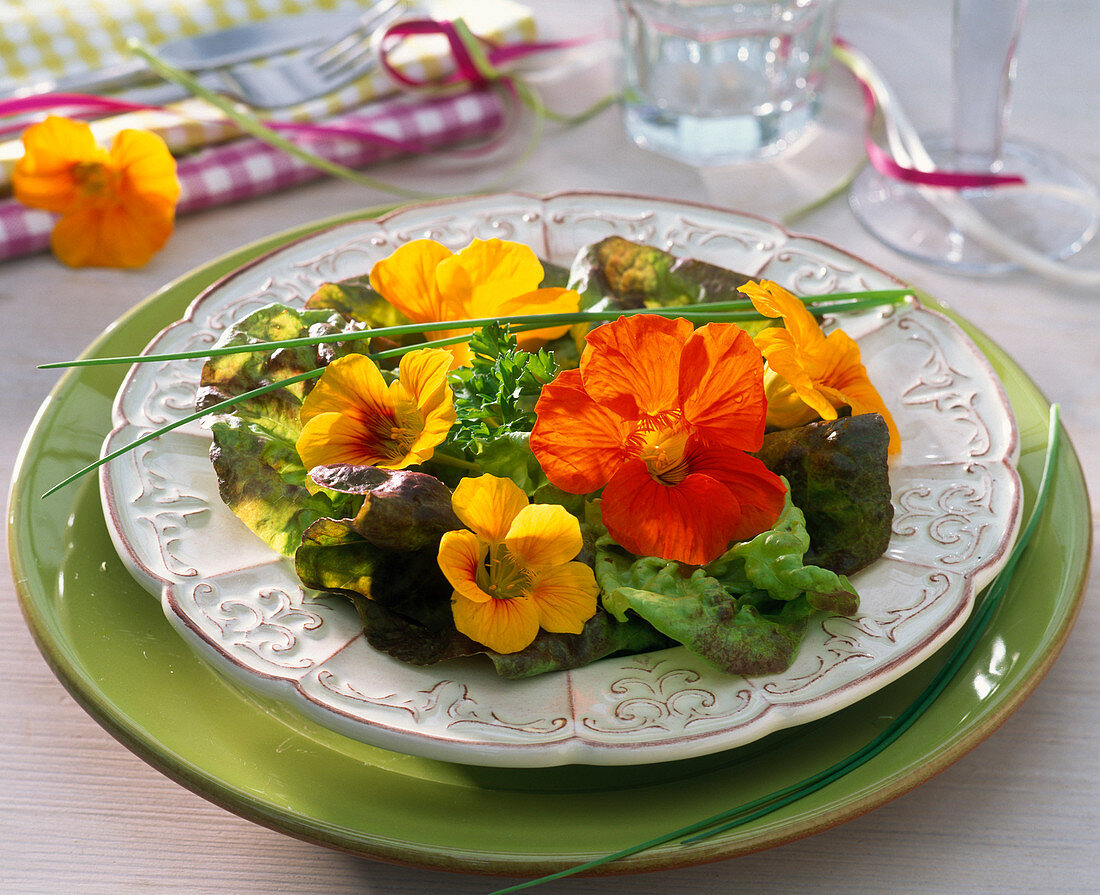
(837, 360)
(578, 442)
(148, 169)
(461, 555)
(43, 176)
(864, 398)
(488, 262)
(407, 279)
(759, 493)
(824, 371)
(692, 522)
(488, 505)
(351, 385)
(772, 300)
(565, 596)
(423, 401)
(632, 366)
(423, 373)
(331, 438)
(552, 300)
(544, 535)
(720, 386)
(506, 626)
(116, 207)
(794, 396)
(122, 234)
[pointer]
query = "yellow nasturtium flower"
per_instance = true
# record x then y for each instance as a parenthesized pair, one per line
(428, 283)
(117, 207)
(808, 374)
(513, 570)
(353, 416)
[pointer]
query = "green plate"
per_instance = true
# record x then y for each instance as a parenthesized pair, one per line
(101, 632)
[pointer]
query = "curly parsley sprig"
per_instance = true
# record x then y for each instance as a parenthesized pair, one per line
(494, 401)
(496, 394)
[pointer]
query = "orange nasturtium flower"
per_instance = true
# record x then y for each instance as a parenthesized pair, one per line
(513, 570)
(661, 416)
(117, 207)
(808, 374)
(489, 278)
(352, 416)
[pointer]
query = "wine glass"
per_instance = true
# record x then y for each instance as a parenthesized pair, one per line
(952, 228)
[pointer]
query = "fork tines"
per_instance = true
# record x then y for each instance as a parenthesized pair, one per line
(349, 49)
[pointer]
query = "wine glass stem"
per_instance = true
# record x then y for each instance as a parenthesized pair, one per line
(984, 50)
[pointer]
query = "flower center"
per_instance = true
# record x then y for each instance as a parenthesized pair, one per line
(504, 578)
(387, 437)
(96, 180)
(663, 452)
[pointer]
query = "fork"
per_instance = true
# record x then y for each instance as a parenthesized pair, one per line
(293, 79)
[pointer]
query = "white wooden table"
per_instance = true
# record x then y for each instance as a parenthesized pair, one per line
(78, 812)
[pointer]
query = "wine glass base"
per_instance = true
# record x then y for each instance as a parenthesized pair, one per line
(901, 215)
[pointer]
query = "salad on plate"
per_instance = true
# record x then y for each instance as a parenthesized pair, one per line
(487, 454)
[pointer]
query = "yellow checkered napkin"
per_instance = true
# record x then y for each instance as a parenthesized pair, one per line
(45, 38)
(42, 39)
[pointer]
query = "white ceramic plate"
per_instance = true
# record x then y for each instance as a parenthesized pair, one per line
(955, 491)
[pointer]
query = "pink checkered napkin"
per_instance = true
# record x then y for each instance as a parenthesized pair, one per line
(246, 168)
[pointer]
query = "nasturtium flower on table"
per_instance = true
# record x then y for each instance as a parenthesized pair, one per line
(428, 283)
(354, 416)
(809, 374)
(663, 418)
(117, 207)
(513, 567)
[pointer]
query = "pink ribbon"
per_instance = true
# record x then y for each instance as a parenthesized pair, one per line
(883, 162)
(466, 70)
(86, 103)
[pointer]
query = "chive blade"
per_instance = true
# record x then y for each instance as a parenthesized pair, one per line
(190, 418)
(733, 311)
(964, 647)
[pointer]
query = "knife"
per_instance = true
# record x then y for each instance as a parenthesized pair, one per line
(204, 52)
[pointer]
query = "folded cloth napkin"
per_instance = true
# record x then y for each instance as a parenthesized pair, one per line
(59, 37)
(51, 38)
(216, 164)
(246, 168)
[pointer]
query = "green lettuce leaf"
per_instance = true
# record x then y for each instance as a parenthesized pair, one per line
(773, 563)
(629, 274)
(260, 475)
(230, 375)
(746, 612)
(355, 299)
(261, 479)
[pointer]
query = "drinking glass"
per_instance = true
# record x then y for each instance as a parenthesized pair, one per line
(921, 221)
(715, 81)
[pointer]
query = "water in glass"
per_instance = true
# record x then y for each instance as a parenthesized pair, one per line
(712, 82)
